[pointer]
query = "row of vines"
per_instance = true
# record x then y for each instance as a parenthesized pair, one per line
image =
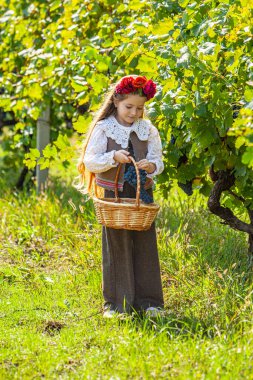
(66, 53)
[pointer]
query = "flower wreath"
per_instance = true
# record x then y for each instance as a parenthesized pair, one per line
(139, 84)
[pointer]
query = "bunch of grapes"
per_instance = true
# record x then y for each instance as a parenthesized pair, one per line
(186, 187)
(131, 177)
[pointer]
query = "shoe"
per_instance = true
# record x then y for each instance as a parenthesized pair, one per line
(110, 313)
(115, 314)
(154, 312)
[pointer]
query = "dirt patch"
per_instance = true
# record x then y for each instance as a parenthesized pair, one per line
(53, 327)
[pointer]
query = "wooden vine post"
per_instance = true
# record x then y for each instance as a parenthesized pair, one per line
(43, 138)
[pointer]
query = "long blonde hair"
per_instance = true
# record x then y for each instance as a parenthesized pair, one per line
(86, 178)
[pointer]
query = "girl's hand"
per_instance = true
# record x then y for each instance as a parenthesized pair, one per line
(121, 156)
(146, 165)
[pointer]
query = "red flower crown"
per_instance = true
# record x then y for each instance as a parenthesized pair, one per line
(139, 84)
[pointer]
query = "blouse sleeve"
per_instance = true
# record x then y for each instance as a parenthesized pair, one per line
(96, 159)
(154, 154)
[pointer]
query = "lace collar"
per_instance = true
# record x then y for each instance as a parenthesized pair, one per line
(120, 134)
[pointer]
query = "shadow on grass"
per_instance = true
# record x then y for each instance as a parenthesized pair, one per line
(183, 328)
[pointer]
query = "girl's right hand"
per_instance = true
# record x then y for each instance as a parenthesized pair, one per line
(121, 156)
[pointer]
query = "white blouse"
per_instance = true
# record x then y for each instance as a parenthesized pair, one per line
(97, 160)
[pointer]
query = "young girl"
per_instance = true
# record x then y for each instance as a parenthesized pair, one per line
(131, 273)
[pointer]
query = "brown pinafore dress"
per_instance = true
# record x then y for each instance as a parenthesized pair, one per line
(130, 263)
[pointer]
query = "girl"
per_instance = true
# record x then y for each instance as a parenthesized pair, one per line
(131, 273)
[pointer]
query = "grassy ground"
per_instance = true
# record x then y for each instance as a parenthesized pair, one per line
(51, 323)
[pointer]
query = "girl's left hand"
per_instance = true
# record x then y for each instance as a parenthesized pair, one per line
(146, 165)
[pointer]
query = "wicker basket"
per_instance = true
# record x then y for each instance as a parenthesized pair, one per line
(125, 213)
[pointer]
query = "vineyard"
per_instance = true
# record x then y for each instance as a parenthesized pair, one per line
(59, 58)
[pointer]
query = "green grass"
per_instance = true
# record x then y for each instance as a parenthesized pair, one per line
(51, 323)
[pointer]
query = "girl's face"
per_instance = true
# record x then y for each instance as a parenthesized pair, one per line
(129, 109)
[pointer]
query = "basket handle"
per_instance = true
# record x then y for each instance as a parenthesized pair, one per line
(137, 201)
